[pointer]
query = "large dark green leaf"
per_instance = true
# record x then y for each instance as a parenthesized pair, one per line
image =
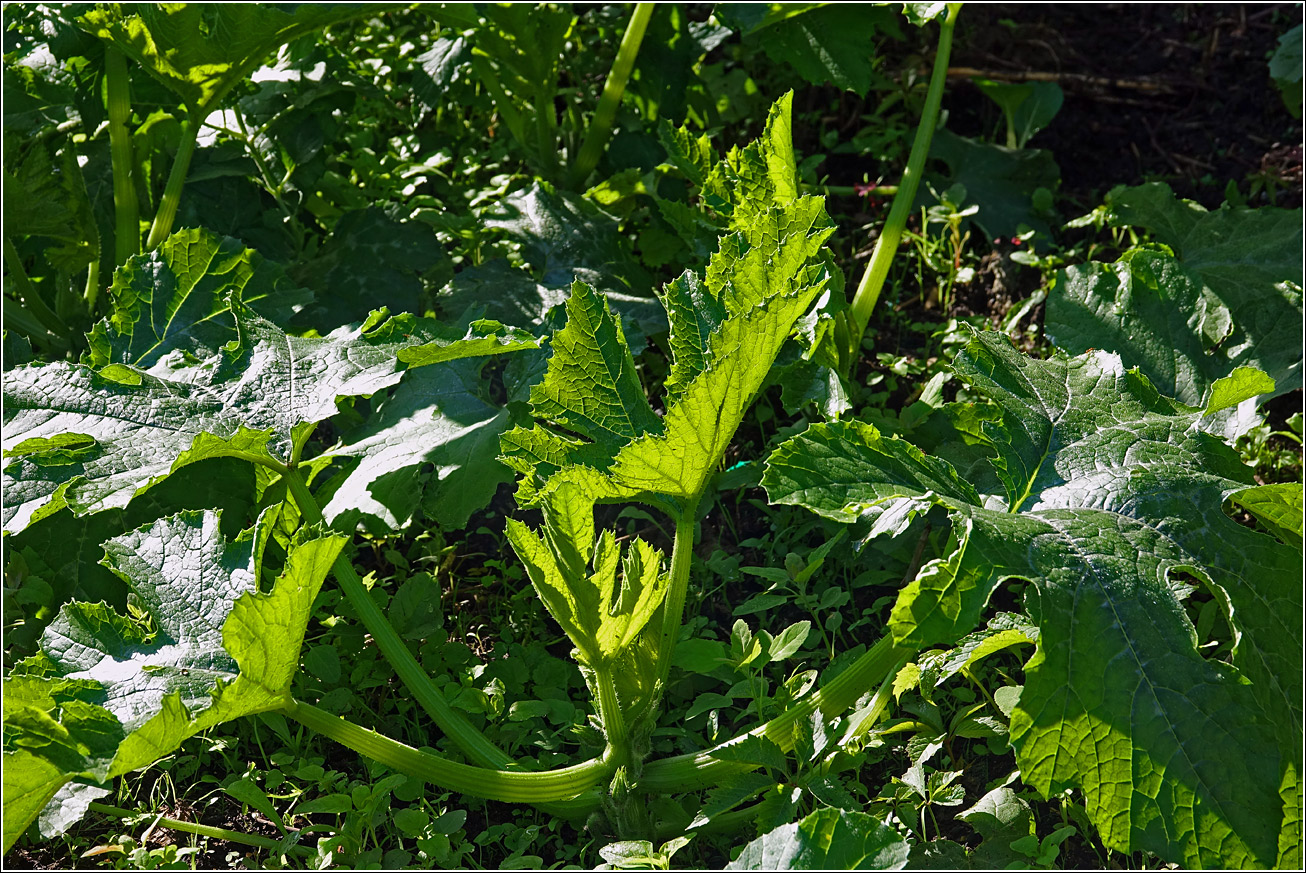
(1001, 181)
(1112, 492)
(370, 260)
(825, 43)
(1230, 296)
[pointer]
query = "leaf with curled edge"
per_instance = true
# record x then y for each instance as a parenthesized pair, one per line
(105, 697)
(1112, 491)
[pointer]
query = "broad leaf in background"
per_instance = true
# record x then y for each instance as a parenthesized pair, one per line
(179, 297)
(664, 79)
(370, 261)
(106, 697)
(1230, 296)
(1111, 493)
(1000, 180)
(42, 198)
(1286, 69)
(562, 238)
(824, 42)
(92, 439)
(200, 51)
(828, 839)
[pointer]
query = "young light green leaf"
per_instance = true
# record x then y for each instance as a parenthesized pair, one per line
(1111, 491)
(828, 839)
(600, 439)
(601, 625)
(104, 697)
(1278, 507)
(1242, 384)
(790, 640)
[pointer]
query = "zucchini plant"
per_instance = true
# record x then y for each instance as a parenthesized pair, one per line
(1103, 494)
(104, 695)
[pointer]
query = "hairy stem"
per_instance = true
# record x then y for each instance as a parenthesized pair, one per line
(126, 211)
(513, 787)
(614, 720)
(167, 213)
(673, 607)
(868, 291)
(600, 128)
(202, 830)
(700, 770)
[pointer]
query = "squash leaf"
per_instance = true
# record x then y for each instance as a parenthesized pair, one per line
(1227, 294)
(1113, 499)
(106, 696)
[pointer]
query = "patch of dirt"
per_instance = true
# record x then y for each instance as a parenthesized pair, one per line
(1180, 93)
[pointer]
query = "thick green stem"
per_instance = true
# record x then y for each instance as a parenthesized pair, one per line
(167, 213)
(189, 827)
(127, 224)
(700, 770)
(600, 129)
(468, 738)
(614, 720)
(512, 787)
(673, 608)
(868, 291)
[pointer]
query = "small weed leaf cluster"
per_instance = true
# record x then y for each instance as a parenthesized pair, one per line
(255, 459)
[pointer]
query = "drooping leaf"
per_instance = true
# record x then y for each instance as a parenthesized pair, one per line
(828, 839)
(824, 43)
(106, 697)
(1111, 491)
(1230, 296)
(437, 418)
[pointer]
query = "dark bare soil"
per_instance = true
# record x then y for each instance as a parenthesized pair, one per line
(1179, 93)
